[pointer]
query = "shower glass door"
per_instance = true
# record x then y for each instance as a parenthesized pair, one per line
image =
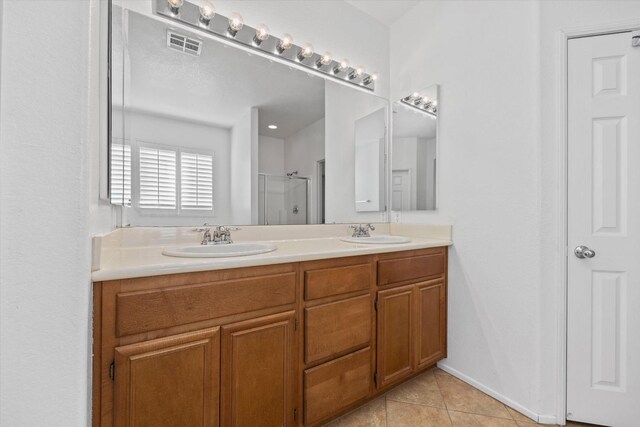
(283, 199)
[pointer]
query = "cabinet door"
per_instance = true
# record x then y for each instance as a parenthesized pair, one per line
(431, 322)
(258, 379)
(395, 334)
(168, 382)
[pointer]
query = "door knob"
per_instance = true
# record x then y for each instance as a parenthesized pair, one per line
(584, 252)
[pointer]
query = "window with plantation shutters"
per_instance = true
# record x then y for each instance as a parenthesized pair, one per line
(157, 178)
(196, 181)
(120, 174)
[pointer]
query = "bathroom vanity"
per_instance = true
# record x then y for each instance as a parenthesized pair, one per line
(294, 343)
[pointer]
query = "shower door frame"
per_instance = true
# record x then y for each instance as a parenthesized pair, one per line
(266, 198)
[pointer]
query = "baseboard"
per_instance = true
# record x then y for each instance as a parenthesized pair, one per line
(542, 419)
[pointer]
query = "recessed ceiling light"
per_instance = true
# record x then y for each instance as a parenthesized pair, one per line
(273, 127)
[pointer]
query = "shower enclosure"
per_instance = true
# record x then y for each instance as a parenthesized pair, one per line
(283, 199)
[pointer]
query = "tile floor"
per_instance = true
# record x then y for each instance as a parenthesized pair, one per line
(435, 399)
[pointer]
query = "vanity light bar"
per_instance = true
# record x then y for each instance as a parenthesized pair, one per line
(422, 104)
(234, 29)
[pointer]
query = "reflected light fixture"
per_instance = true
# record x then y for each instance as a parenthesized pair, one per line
(202, 16)
(370, 79)
(272, 127)
(235, 24)
(305, 52)
(207, 11)
(175, 5)
(341, 67)
(286, 41)
(262, 34)
(357, 72)
(325, 59)
(422, 104)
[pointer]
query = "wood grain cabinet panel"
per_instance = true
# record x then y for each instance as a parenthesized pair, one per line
(149, 310)
(337, 327)
(168, 382)
(258, 378)
(399, 270)
(395, 334)
(333, 386)
(337, 280)
(431, 322)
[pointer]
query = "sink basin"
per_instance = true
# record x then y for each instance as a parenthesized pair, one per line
(220, 251)
(377, 240)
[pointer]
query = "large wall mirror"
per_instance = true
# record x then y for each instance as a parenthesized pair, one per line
(206, 132)
(414, 164)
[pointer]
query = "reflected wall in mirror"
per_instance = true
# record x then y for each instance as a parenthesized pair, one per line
(414, 161)
(204, 132)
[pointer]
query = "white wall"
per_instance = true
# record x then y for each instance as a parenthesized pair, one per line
(244, 169)
(485, 57)
(46, 172)
(270, 155)
(301, 153)
(175, 132)
(497, 64)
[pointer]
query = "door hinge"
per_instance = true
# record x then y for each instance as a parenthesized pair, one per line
(635, 38)
(375, 378)
(375, 304)
(112, 371)
(295, 414)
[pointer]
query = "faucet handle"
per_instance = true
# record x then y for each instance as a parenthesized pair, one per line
(371, 227)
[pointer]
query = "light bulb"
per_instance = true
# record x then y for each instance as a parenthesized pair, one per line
(357, 72)
(305, 52)
(325, 59)
(342, 66)
(262, 33)
(175, 5)
(286, 41)
(370, 79)
(207, 11)
(235, 24)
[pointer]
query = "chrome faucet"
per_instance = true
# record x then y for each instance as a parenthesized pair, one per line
(221, 235)
(362, 230)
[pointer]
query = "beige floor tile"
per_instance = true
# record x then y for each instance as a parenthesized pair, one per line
(460, 396)
(400, 414)
(371, 414)
(423, 390)
(521, 418)
(461, 419)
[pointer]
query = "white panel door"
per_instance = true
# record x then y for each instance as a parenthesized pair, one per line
(401, 190)
(603, 348)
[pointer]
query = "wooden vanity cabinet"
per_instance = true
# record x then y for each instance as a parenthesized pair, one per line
(412, 313)
(280, 345)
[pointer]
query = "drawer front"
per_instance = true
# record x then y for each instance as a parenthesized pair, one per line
(400, 270)
(337, 327)
(333, 386)
(144, 311)
(335, 281)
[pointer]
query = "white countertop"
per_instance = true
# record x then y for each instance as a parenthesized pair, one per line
(130, 262)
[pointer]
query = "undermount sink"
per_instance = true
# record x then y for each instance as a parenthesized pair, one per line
(220, 251)
(377, 240)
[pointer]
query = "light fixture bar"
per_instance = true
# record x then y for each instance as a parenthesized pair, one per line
(422, 104)
(219, 26)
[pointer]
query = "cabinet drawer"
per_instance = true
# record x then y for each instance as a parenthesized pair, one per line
(143, 311)
(400, 270)
(331, 387)
(337, 327)
(335, 281)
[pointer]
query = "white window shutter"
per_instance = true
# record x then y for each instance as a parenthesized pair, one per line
(121, 174)
(157, 178)
(196, 175)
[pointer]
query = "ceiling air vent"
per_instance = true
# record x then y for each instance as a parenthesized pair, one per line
(183, 43)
